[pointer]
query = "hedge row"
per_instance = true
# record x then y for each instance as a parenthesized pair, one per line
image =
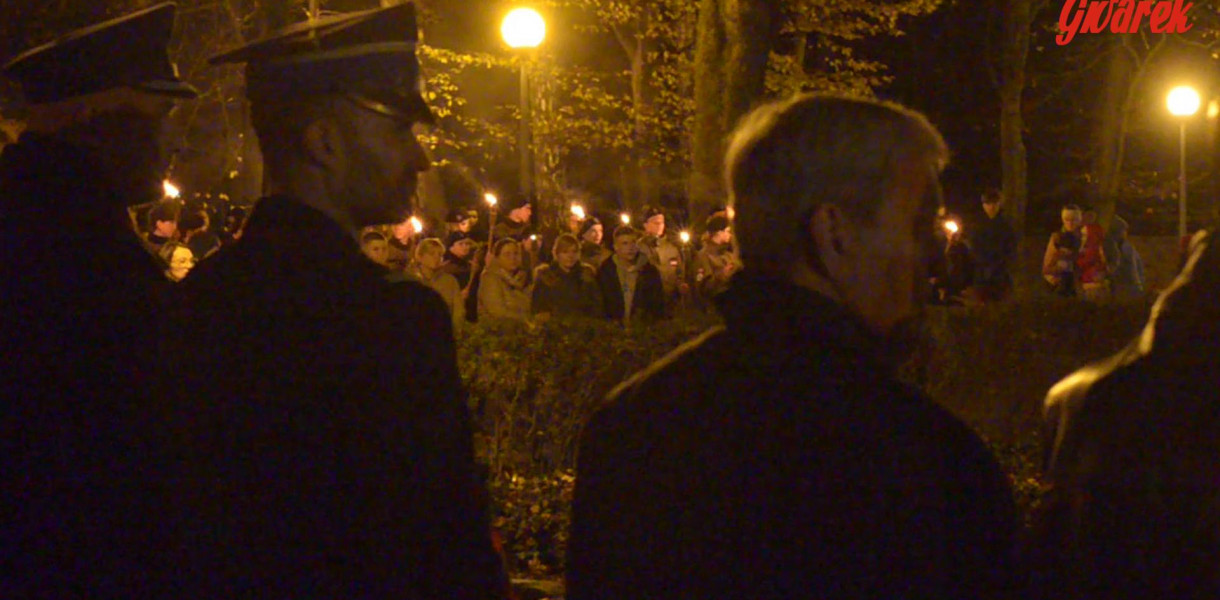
(532, 388)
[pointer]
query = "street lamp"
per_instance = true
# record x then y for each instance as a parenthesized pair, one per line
(523, 28)
(1183, 102)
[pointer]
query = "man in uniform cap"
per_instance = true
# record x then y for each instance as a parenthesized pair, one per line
(664, 254)
(326, 448)
(76, 312)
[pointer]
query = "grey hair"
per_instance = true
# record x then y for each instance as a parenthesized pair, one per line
(787, 158)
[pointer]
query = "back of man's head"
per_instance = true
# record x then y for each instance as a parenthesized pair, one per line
(787, 158)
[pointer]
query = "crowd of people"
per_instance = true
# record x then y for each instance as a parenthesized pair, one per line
(289, 420)
(1081, 260)
(533, 274)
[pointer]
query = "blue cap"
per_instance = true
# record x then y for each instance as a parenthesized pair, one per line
(131, 51)
(368, 56)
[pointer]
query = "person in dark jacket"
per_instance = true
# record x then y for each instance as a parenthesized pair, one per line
(76, 311)
(566, 287)
(993, 249)
(630, 285)
(322, 447)
(1134, 507)
(592, 251)
(778, 456)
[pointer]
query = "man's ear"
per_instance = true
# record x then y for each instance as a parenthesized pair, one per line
(833, 234)
(323, 143)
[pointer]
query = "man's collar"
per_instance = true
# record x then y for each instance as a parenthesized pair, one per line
(797, 317)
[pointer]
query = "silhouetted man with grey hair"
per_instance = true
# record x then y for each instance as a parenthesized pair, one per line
(778, 456)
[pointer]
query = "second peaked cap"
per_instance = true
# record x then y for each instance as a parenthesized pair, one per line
(132, 50)
(369, 55)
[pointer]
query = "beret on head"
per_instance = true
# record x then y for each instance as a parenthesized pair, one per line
(367, 55)
(456, 237)
(457, 215)
(652, 211)
(515, 201)
(132, 50)
(717, 223)
(588, 224)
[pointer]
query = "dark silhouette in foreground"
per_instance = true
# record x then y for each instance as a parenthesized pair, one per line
(778, 456)
(1134, 511)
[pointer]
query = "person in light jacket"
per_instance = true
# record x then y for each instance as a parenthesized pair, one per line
(504, 288)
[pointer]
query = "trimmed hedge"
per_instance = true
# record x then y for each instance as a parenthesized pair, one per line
(532, 388)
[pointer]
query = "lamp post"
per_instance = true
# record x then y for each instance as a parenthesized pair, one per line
(1183, 101)
(524, 28)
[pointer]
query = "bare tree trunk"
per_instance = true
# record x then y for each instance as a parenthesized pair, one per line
(734, 42)
(1109, 136)
(750, 28)
(1018, 18)
(705, 187)
(1125, 74)
(642, 107)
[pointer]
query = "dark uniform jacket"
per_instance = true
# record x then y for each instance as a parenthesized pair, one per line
(647, 299)
(1134, 509)
(776, 457)
(78, 296)
(570, 293)
(994, 250)
(323, 448)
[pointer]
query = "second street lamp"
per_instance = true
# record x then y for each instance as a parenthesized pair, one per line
(1183, 101)
(522, 29)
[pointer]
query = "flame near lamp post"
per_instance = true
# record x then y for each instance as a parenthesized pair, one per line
(1183, 102)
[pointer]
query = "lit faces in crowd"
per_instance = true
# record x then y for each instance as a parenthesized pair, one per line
(521, 214)
(462, 248)
(1071, 220)
(378, 163)
(655, 225)
(594, 234)
(402, 230)
(992, 209)
(378, 250)
(625, 247)
(180, 263)
(430, 256)
(567, 256)
(509, 258)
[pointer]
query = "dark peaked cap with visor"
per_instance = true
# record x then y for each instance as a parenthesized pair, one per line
(128, 51)
(368, 56)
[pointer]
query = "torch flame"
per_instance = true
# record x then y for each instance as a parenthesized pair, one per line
(490, 198)
(578, 211)
(171, 190)
(951, 226)
(417, 225)
(685, 237)
(626, 218)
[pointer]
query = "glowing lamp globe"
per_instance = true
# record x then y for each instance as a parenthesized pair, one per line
(1183, 101)
(523, 28)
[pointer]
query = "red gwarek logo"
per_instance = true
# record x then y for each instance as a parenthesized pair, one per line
(1121, 16)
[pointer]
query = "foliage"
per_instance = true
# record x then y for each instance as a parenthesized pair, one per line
(532, 388)
(459, 136)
